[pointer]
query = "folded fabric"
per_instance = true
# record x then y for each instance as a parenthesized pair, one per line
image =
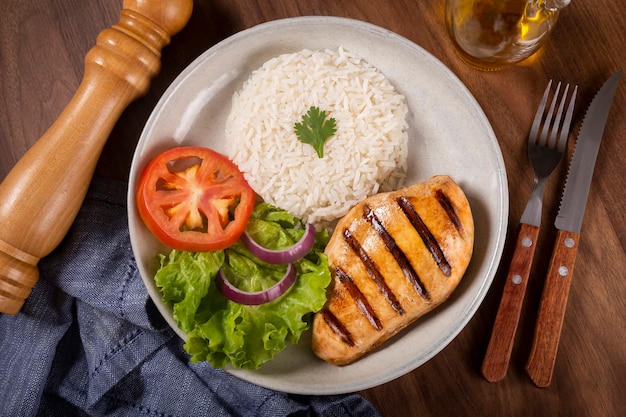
(89, 341)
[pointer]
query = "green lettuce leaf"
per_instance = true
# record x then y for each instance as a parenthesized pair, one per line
(221, 331)
(183, 283)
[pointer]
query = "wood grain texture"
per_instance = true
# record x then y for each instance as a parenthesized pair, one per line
(42, 45)
(498, 355)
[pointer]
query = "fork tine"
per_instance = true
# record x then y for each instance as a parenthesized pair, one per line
(567, 121)
(534, 129)
(560, 126)
(556, 121)
(549, 121)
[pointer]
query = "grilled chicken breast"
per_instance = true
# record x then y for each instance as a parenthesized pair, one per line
(393, 257)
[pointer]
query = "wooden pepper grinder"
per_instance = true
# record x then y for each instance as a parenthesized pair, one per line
(41, 195)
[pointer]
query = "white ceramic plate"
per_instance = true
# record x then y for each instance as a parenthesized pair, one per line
(449, 134)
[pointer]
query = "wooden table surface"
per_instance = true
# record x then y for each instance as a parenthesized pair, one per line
(42, 47)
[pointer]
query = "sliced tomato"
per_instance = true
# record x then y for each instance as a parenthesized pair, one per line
(194, 199)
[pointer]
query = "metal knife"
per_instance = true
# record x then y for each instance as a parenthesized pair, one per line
(568, 222)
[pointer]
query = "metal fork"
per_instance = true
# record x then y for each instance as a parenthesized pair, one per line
(546, 144)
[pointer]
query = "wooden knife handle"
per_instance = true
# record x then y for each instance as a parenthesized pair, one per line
(41, 195)
(552, 309)
(498, 353)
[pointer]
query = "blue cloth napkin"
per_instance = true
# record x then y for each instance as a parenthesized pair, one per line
(89, 342)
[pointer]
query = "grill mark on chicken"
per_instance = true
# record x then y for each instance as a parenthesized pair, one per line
(427, 237)
(448, 207)
(337, 327)
(373, 271)
(398, 254)
(359, 299)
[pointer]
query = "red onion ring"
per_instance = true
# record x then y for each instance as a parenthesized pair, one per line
(259, 297)
(283, 256)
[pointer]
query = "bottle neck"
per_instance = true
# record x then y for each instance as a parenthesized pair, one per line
(554, 5)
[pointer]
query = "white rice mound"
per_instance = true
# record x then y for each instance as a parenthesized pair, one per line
(366, 155)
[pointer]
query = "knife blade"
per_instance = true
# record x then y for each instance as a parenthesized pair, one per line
(568, 222)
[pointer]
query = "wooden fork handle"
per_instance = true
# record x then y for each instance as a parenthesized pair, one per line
(498, 355)
(41, 195)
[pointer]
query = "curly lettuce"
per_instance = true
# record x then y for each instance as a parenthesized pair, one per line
(221, 331)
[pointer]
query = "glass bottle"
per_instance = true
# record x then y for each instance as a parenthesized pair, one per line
(491, 34)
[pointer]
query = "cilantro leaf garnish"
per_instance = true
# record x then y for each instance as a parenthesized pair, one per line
(315, 130)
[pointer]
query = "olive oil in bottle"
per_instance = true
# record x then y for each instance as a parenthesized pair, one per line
(491, 34)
